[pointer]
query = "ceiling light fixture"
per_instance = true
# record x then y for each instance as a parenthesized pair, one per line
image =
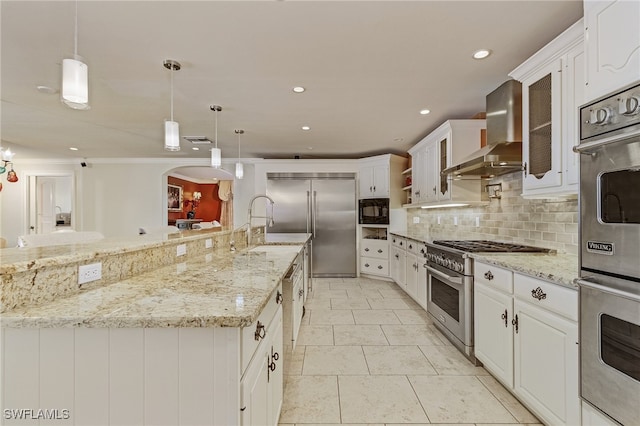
(481, 54)
(171, 128)
(424, 111)
(216, 154)
(75, 77)
(73, 148)
(306, 128)
(299, 89)
(239, 166)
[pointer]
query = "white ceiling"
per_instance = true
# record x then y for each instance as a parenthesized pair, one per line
(368, 68)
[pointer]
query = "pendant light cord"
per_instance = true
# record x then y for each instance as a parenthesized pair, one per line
(239, 133)
(171, 92)
(216, 127)
(75, 36)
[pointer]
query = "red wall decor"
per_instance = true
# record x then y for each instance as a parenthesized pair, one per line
(209, 207)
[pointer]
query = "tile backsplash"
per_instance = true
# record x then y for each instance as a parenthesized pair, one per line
(550, 223)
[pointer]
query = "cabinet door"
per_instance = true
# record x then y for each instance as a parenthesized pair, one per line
(442, 152)
(381, 181)
(366, 181)
(546, 364)
(422, 283)
(419, 176)
(493, 332)
(255, 392)
(275, 376)
(397, 266)
(431, 171)
(612, 43)
(573, 96)
(542, 128)
(411, 276)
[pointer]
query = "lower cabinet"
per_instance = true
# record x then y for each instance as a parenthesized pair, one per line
(262, 384)
(411, 274)
(526, 335)
(397, 266)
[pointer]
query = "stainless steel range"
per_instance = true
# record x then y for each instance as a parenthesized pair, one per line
(450, 286)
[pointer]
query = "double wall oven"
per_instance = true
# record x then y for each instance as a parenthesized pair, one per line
(610, 254)
(450, 286)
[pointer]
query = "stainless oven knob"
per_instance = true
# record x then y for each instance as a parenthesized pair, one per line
(600, 116)
(629, 106)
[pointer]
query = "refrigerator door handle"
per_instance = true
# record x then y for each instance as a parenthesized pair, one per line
(315, 212)
(308, 210)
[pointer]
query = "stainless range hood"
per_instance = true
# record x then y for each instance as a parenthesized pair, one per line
(503, 152)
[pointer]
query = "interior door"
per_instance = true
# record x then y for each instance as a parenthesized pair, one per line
(45, 205)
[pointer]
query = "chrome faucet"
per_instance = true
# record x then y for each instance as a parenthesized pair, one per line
(270, 221)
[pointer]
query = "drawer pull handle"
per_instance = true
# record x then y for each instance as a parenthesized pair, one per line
(300, 293)
(410, 246)
(260, 331)
(504, 317)
(379, 266)
(538, 294)
(514, 322)
(366, 265)
(400, 242)
(366, 249)
(397, 256)
(488, 275)
(279, 298)
(379, 250)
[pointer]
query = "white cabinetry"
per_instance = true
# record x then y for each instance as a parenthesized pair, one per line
(612, 45)
(449, 143)
(381, 177)
(413, 267)
(398, 260)
(526, 335)
(407, 261)
(552, 90)
(374, 251)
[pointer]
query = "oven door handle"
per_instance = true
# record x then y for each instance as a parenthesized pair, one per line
(589, 148)
(606, 289)
(453, 280)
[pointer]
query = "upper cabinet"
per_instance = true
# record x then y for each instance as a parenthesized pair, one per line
(612, 45)
(381, 177)
(552, 90)
(449, 143)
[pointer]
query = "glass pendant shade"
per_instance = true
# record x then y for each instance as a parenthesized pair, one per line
(239, 170)
(216, 157)
(75, 84)
(171, 136)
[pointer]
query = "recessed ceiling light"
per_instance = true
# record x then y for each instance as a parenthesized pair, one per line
(398, 139)
(424, 111)
(299, 89)
(306, 128)
(73, 148)
(481, 54)
(195, 148)
(309, 148)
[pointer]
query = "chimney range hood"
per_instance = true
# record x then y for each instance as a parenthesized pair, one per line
(503, 152)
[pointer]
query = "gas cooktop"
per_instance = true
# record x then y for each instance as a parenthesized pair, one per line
(475, 246)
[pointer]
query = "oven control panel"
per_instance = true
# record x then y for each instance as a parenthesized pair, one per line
(613, 113)
(443, 260)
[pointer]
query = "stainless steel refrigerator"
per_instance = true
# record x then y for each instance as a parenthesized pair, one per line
(323, 204)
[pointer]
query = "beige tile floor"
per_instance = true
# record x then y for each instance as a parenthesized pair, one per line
(369, 355)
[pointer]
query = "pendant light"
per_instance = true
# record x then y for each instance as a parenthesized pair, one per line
(216, 154)
(239, 167)
(75, 77)
(171, 128)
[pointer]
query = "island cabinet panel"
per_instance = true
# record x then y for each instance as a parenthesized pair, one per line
(126, 376)
(91, 354)
(157, 376)
(20, 371)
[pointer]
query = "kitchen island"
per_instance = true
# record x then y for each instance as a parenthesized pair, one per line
(187, 343)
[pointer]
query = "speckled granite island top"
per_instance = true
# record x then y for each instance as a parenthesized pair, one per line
(227, 289)
(557, 268)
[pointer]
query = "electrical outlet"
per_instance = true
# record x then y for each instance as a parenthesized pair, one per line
(455, 220)
(438, 220)
(477, 221)
(208, 243)
(416, 219)
(181, 250)
(88, 273)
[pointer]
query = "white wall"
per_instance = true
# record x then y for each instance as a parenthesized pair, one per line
(113, 196)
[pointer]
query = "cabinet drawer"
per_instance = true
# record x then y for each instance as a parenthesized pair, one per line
(375, 248)
(493, 276)
(553, 297)
(370, 265)
(398, 241)
(413, 246)
(249, 342)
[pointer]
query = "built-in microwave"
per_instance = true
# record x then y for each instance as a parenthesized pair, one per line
(373, 211)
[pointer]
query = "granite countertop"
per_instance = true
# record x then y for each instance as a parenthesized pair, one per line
(424, 238)
(557, 268)
(18, 259)
(227, 289)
